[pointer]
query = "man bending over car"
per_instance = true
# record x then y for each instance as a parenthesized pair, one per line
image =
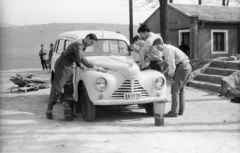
(63, 68)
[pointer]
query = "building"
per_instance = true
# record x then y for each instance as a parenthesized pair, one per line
(209, 31)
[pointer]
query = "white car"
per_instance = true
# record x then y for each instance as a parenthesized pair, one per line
(123, 84)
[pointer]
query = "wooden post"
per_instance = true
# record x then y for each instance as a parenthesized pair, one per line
(238, 39)
(194, 37)
(164, 25)
(130, 21)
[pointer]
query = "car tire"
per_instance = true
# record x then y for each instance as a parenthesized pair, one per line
(88, 109)
(149, 109)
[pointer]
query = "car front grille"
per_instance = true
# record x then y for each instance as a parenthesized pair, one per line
(130, 86)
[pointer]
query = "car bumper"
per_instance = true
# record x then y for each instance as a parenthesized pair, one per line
(129, 101)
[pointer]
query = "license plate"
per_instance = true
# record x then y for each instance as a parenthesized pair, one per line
(132, 95)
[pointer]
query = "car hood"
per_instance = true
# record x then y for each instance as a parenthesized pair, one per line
(124, 65)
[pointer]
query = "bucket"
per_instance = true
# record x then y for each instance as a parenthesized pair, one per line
(68, 112)
(68, 115)
(159, 109)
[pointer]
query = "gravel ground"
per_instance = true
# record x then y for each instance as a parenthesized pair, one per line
(210, 124)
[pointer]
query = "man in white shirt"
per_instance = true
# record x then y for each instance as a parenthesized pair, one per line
(179, 71)
(144, 61)
(154, 56)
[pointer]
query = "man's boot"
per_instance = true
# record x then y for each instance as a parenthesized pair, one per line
(49, 115)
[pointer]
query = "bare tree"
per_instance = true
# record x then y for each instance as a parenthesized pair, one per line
(164, 28)
(201, 2)
(226, 2)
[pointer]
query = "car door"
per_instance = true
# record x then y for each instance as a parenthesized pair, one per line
(60, 45)
(58, 49)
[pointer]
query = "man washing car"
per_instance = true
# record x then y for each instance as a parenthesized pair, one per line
(63, 68)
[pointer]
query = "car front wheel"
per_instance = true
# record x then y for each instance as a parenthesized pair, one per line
(88, 109)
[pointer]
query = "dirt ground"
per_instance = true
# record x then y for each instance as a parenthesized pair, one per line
(210, 124)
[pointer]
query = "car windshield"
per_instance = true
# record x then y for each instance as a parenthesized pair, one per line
(108, 47)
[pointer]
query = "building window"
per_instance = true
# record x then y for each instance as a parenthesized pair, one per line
(219, 39)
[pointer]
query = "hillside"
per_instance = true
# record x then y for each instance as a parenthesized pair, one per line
(2, 24)
(20, 45)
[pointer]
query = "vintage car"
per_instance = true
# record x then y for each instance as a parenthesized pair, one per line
(123, 84)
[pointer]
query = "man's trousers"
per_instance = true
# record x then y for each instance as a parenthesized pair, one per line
(181, 76)
(63, 74)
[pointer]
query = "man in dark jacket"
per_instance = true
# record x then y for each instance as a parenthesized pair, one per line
(43, 58)
(63, 68)
(50, 53)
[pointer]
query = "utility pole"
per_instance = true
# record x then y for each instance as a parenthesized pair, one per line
(130, 21)
(164, 29)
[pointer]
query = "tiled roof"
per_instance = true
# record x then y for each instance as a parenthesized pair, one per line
(210, 13)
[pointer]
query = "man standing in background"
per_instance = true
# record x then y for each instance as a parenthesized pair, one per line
(50, 56)
(184, 48)
(43, 57)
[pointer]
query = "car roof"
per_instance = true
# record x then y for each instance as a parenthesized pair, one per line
(100, 35)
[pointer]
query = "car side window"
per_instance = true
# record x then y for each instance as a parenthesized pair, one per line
(56, 46)
(67, 43)
(60, 47)
(106, 46)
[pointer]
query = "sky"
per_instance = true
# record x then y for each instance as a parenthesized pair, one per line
(32, 12)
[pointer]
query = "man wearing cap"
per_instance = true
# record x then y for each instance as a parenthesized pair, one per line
(63, 68)
(179, 71)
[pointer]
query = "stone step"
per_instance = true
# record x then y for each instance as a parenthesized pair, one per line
(218, 64)
(219, 71)
(205, 85)
(209, 78)
(235, 65)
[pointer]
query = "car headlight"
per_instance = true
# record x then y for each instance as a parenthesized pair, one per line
(159, 82)
(101, 84)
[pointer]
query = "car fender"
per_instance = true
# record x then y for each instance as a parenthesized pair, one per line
(148, 75)
(89, 78)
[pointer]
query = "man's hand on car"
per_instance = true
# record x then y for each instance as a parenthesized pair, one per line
(131, 47)
(100, 69)
(82, 67)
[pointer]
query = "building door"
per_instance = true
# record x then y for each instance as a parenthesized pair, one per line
(184, 36)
